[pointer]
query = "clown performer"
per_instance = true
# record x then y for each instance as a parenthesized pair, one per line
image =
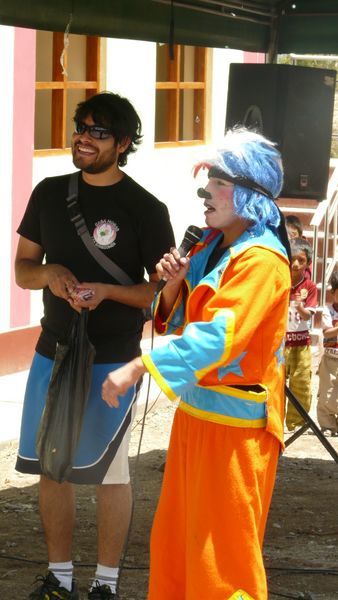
(228, 302)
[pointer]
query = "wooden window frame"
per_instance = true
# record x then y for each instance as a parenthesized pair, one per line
(61, 84)
(174, 84)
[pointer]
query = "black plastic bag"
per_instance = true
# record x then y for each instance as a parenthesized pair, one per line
(67, 396)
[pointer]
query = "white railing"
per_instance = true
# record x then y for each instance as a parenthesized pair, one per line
(327, 213)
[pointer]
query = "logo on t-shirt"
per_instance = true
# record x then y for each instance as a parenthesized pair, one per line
(105, 233)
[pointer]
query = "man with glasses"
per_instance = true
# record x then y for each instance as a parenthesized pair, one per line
(132, 228)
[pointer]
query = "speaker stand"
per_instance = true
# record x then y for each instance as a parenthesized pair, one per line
(308, 424)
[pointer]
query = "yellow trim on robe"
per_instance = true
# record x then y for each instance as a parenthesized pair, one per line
(240, 595)
(223, 419)
(154, 372)
(227, 390)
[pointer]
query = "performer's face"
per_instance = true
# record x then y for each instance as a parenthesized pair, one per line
(220, 211)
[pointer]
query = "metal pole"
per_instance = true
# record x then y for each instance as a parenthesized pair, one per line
(315, 253)
(308, 423)
(325, 254)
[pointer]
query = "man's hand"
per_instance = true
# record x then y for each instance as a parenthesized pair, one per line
(60, 280)
(118, 382)
(99, 293)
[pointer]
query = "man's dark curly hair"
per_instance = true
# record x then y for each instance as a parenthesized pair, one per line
(115, 113)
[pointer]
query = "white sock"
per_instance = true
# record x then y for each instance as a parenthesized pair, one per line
(64, 573)
(107, 576)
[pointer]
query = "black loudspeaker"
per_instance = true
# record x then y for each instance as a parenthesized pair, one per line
(292, 106)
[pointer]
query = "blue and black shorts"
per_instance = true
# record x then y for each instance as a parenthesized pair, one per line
(102, 452)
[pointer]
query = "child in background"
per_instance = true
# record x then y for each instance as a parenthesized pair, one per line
(327, 407)
(293, 227)
(303, 301)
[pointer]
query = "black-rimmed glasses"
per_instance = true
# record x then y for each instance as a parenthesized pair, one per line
(95, 131)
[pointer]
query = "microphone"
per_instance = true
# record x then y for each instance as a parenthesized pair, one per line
(192, 235)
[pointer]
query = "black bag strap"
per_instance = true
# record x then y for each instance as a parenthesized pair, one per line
(77, 219)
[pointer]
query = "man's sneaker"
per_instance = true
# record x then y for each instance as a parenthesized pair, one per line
(50, 589)
(101, 592)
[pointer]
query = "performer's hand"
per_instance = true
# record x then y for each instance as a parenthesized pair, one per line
(118, 382)
(172, 267)
(60, 280)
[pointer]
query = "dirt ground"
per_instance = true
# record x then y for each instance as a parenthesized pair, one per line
(301, 545)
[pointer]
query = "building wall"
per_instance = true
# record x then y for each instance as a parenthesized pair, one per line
(23, 136)
(17, 110)
(6, 141)
(130, 70)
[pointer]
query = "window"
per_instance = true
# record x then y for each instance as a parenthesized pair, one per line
(180, 95)
(59, 88)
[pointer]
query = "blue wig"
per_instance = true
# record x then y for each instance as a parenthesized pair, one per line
(250, 155)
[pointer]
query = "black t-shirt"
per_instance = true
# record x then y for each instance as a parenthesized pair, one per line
(129, 225)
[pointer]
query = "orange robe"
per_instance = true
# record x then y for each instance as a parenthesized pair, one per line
(227, 367)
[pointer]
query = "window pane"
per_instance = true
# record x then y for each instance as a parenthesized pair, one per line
(77, 58)
(44, 55)
(73, 98)
(161, 62)
(180, 112)
(187, 66)
(165, 120)
(43, 119)
(191, 115)
(165, 68)
(161, 120)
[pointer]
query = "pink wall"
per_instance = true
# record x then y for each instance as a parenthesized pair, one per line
(254, 57)
(23, 144)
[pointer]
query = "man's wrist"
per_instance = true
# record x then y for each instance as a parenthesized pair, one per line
(46, 270)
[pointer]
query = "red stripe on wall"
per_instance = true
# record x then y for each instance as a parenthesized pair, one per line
(23, 144)
(17, 349)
